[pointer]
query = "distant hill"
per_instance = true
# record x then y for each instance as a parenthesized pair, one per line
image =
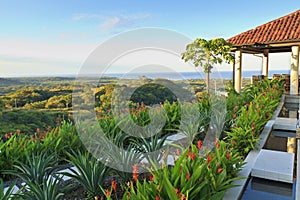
(10, 82)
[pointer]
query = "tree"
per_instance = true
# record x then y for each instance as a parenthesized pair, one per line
(206, 53)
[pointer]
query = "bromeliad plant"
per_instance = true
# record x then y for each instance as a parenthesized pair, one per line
(247, 121)
(193, 176)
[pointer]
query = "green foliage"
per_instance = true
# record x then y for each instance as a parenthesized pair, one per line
(8, 194)
(152, 93)
(150, 147)
(193, 176)
(28, 121)
(38, 179)
(253, 108)
(38, 168)
(17, 147)
(49, 190)
(91, 172)
(207, 53)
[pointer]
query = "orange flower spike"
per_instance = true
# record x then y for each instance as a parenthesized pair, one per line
(192, 156)
(114, 185)
(208, 159)
(151, 177)
(199, 144)
(177, 192)
(220, 170)
(18, 132)
(107, 193)
(217, 144)
(188, 177)
(182, 197)
(227, 155)
(135, 176)
(6, 136)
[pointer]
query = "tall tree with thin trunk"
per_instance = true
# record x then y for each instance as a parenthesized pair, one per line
(207, 53)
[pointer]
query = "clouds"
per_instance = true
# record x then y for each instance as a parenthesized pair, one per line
(113, 22)
(110, 23)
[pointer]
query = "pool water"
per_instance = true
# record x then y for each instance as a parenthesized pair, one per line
(262, 189)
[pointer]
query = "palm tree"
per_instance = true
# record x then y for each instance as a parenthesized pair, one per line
(205, 54)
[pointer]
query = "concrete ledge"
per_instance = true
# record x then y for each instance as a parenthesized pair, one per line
(236, 192)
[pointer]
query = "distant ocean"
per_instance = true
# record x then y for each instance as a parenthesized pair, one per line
(193, 75)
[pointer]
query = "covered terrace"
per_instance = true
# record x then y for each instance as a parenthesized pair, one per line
(277, 36)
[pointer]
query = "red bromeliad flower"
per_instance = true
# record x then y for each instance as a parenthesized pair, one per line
(114, 185)
(199, 144)
(220, 170)
(235, 108)
(177, 192)
(157, 197)
(217, 144)
(188, 177)
(135, 172)
(233, 116)
(107, 193)
(6, 136)
(227, 155)
(135, 176)
(151, 177)
(258, 112)
(267, 115)
(182, 197)
(191, 155)
(262, 106)
(253, 125)
(232, 142)
(208, 159)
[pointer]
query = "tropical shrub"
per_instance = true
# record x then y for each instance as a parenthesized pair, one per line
(193, 176)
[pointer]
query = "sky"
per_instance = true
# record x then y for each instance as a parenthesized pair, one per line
(41, 38)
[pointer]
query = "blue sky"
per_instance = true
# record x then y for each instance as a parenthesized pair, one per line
(55, 37)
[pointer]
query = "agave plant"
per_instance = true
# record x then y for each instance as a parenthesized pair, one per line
(91, 172)
(37, 175)
(49, 190)
(39, 168)
(124, 160)
(151, 148)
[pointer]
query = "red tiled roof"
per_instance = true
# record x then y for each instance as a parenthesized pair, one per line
(283, 29)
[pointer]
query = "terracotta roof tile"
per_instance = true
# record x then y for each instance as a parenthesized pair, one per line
(283, 29)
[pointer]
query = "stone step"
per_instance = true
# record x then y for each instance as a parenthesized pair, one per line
(282, 133)
(282, 123)
(274, 165)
